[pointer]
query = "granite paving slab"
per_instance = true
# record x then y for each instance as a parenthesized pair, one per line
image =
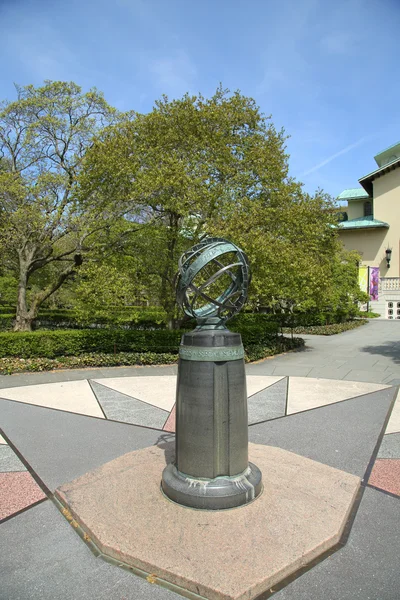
(42, 558)
(328, 372)
(367, 567)
(394, 422)
(386, 475)
(60, 445)
(343, 435)
(170, 423)
(17, 491)
(371, 376)
(296, 370)
(269, 403)
(390, 447)
(120, 407)
(9, 461)
(148, 389)
(220, 555)
(305, 393)
(73, 396)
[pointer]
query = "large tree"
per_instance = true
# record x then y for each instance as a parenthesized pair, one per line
(44, 135)
(298, 262)
(182, 164)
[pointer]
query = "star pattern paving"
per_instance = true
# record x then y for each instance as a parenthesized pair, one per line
(55, 432)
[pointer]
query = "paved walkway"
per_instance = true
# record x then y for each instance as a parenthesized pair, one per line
(332, 402)
(369, 353)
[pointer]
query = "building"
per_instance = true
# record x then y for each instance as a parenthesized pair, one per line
(371, 225)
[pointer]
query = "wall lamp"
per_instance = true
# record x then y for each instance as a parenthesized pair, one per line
(388, 256)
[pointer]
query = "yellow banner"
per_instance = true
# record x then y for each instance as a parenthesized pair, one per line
(363, 278)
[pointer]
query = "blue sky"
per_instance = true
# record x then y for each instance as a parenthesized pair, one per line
(328, 72)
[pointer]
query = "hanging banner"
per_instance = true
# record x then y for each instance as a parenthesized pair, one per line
(363, 278)
(373, 282)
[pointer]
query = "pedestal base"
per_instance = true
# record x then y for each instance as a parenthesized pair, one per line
(219, 555)
(212, 494)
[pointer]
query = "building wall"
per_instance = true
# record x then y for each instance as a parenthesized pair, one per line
(355, 209)
(387, 208)
(372, 243)
(369, 243)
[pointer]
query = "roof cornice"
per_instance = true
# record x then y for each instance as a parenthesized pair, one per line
(367, 180)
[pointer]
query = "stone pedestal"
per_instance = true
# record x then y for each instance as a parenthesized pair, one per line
(211, 469)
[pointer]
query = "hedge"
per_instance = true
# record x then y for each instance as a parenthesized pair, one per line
(155, 318)
(11, 365)
(326, 329)
(134, 318)
(74, 342)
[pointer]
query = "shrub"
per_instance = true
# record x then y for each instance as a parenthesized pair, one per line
(363, 314)
(51, 344)
(19, 365)
(75, 342)
(332, 329)
(129, 318)
(309, 319)
(7, 321)
(11, 365)
(276, 346)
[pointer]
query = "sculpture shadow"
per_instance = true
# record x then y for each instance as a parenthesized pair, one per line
(166, 442)
(388, 349)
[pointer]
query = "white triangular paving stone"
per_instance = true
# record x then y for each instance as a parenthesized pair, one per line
(72, 396)
(127, 409)
(256, 383)
(160, 391)
(394, 421)
(2, 440)
(307, 392)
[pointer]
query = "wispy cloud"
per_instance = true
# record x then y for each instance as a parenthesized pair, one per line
(341, 42)
(174, 74)
(336, 155)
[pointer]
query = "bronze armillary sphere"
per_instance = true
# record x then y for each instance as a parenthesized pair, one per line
(210, 264)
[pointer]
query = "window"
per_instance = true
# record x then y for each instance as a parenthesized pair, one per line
(368, 208)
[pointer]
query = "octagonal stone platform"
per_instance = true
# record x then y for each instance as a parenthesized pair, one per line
(220, 555)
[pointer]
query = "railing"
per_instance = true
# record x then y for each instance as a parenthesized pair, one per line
(388, 284)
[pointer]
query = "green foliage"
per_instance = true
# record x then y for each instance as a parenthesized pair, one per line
(8, 290)
(7, 321)
(50, 344)
(178, 167)
(363, 314)
(331, 329)
(130, 317)
(8, 366)
(96, 208)
(106, 290)
(274, 346)
(44, 135)
(253, 352)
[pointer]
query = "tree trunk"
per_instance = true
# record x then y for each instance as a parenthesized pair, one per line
(24, 318)
(168, 292)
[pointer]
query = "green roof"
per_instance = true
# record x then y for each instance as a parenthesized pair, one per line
(353, 194)
(388, 155)
(362, 223)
